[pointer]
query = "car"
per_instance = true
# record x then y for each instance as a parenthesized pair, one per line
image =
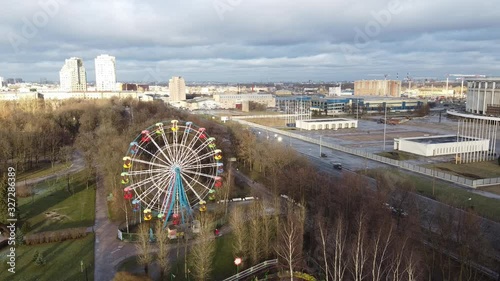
(323, 155)
(337, 166)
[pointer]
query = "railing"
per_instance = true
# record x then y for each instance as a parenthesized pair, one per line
(252, 270)
(400, 164)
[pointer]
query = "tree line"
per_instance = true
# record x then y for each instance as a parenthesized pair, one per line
(350, 232)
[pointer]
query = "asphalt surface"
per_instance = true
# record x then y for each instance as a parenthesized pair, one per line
(427, 208)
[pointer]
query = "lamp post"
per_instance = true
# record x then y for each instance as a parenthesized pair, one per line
(385, 107)
(237, 262)
(385, 121)
(320, 138)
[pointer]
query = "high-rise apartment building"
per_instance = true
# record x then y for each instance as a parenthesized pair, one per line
(73, 77)
(105, 73)
(1, 81)
(177, 87)
(388, 88)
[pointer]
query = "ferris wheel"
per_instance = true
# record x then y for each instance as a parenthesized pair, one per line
(170, 168)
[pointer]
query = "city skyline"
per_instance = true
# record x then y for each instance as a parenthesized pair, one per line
(253, 41)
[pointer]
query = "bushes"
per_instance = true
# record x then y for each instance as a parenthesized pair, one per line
(38, 258)
(55, 236)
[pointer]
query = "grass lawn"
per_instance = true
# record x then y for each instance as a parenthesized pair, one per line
(43, 169)
(443, 192)
(478, 170)
(58, 208)
(271, 122)
(62, 261)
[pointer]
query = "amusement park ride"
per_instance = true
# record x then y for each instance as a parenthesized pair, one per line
(170, 168)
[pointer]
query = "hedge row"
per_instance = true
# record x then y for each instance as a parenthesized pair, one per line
(55, 236)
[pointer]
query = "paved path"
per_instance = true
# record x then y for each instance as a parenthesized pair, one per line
(108, 250)
(78, 164)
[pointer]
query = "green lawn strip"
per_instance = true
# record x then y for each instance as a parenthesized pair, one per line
(477, 170)
(443, 192)
(62, 261)
(59, 208)
(224, 258)
(43, 169)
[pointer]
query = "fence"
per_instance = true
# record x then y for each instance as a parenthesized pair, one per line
(247, 272)
(396, 163)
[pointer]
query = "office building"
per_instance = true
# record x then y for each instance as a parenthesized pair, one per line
(177, 87)
(105, 73)
(73, 77)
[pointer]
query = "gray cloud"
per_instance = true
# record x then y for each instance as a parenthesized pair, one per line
(252, 40)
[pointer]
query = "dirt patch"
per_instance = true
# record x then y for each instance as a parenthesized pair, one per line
(467, 175)
(471, 176)
(55, 216)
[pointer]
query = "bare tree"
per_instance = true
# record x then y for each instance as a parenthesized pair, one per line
(163, 248)
(268, 233)
(396, 269)
(289, 247)
(237, 223)
(411, 267)
(340, 241)
(380, 251)
(202, 254)
(143, 246)
(254, 231)
(324, 235)
(359, 248)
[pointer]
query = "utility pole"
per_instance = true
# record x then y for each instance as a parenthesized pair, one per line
(462, 89)
(385, 108)
(448, 76)
(385, 121)
(320, 137)
(357, 109)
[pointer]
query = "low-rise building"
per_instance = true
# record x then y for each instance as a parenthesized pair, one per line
(230, 101)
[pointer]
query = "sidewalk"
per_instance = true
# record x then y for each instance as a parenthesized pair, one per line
(109, 251)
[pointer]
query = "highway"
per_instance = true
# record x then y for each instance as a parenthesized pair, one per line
(427, 208)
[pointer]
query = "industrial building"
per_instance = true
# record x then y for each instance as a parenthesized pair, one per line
(442, 145)
(231, 101)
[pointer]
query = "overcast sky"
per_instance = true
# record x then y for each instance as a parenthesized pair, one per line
(252, 40)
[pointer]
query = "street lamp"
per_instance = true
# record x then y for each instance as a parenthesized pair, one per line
(385, 107)
(237, 262)
(385, 120)
(320, 138)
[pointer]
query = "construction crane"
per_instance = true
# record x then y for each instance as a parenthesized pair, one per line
(461, 77)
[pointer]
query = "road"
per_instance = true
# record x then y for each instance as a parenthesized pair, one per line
(77, 165)
(427, 208)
